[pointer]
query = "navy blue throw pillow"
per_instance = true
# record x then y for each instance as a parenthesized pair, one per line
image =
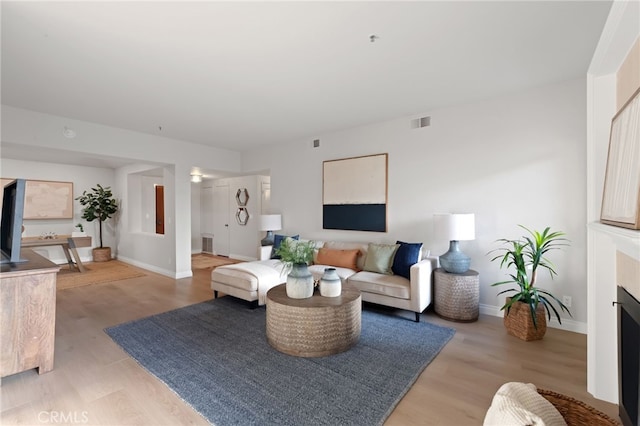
(407, 255)
(277, 240)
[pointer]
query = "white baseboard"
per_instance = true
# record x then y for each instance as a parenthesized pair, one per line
(567, 324)
(153, 268)
(240, 257)
(63, 261)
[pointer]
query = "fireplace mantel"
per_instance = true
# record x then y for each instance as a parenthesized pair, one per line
(605, 243)
(627, 240)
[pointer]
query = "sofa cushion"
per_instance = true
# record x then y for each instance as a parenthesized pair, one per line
(277, 241)
(521, 404)
(338, 258)
(318, 271)
(345, 245)
(380, 258)
(387, 285)
(407, 255)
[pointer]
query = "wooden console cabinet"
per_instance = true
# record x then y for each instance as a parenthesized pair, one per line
(28, 314)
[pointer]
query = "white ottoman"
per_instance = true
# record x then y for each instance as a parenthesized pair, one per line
(249, 281)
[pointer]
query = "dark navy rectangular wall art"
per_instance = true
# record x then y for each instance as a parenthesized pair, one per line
(354, 193)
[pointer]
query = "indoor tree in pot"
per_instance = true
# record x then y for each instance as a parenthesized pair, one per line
(524, 310)
(99, 204)
(295, 257)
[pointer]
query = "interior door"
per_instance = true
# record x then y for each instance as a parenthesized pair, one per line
(221, 232)
(266, 198)
(206, 206)
(159, 209)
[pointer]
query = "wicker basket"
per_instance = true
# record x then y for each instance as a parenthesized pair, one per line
(519, 323)
(577, 412)
(101, 254)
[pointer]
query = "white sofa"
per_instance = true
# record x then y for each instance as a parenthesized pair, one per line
(251, 280)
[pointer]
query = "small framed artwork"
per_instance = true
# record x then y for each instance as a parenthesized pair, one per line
(242, 216)
(621, 194)
(46, 199)
(354, 193)
(242, 197)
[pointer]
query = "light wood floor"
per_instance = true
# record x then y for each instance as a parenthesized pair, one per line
(95, 382)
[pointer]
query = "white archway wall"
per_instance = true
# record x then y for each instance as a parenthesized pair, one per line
(612, 77)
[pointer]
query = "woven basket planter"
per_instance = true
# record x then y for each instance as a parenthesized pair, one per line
(576, 412)
(519, 323)
(101, 254)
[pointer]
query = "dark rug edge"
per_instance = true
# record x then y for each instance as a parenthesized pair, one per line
(166, 385)
(418, 373)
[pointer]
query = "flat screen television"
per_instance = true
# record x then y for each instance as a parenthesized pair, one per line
(11, 221)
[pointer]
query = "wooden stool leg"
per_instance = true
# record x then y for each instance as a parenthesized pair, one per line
(76, 256)
(65, 249)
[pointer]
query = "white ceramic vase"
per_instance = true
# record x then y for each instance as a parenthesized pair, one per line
(299, 282)
(330, 284)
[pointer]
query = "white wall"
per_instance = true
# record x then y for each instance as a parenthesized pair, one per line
(244, 240)
(196, 217)
(518, 159)
(38, 130)
(618, 37)
(83, 178)
(137, 244)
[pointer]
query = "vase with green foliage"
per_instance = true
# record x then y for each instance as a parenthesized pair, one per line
(99, 204)
(295, 257)
(525, 256)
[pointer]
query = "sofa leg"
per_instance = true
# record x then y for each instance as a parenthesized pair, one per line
(417, 316)
(215, 294)
(253, 304)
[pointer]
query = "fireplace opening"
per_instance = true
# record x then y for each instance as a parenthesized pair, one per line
(628, 357)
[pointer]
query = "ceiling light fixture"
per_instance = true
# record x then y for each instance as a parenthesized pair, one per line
(196, 178)
(68, 133)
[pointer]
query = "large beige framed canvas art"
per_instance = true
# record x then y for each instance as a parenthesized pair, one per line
(621, 195)
(354, 193)
(47, 199)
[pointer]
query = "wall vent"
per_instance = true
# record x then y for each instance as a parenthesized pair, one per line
(424, 122)
(207, 245)
(316, 143)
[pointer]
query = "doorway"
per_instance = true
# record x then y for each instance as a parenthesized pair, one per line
(221, 245)
(160, 209)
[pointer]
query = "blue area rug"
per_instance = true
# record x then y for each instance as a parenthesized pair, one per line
(215, 356)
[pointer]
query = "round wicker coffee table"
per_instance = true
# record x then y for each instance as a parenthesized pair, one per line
(313, 327)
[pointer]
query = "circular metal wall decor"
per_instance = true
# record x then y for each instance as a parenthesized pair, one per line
(242, 216)
(242, 197)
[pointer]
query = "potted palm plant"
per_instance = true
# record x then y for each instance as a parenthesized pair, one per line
(99, 205)
(524, 310)
(295, 257)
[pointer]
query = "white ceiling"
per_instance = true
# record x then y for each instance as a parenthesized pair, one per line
(240, 74)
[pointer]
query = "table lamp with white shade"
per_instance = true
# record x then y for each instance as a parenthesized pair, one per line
(455, 227)
(270, 223)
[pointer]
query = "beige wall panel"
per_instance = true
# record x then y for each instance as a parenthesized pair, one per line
(628, 77)
(628, 274)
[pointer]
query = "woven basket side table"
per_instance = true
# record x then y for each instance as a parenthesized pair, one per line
(457, 296)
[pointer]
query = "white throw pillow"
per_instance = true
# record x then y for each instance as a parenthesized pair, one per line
(516, 404)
